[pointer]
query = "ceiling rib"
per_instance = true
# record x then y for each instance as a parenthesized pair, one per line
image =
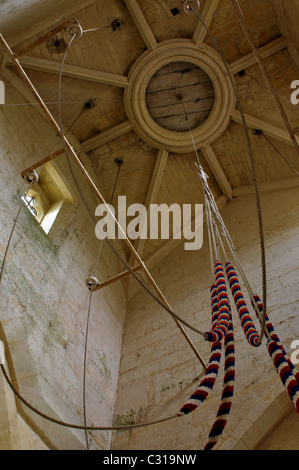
(207, 16)
(151, 198)
(279, 185)
(141, 23)
(153, 191)
(266, 51)
(214, 165)
(73, 71)
(269, 129)
(265, 73)
(106, 136)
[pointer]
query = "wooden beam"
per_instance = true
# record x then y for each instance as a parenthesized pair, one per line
(118, 277)
(106, 136)
(42, 162)
(266, 51)
(279, 185)
(269, 129)
(214, 165)
(44, 37)
(207, 16)
(141, 23)
(159, 254)
(73, 71)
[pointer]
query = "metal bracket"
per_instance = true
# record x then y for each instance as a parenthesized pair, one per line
(92, 283)
(74, 29)
(191, 5)
(31, 177)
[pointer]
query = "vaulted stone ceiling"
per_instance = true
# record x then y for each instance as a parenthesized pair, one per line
(143, 42)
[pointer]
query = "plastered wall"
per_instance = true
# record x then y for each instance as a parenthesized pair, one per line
(159, 370)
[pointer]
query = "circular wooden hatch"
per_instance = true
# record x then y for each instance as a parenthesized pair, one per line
(195, 82)
(180, 96)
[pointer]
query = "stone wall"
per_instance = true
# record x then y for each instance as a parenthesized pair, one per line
(158, 369)
(44, 299)
(15, 433)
